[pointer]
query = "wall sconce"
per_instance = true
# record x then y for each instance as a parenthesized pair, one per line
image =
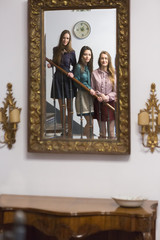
(9, 118)
(149, 120)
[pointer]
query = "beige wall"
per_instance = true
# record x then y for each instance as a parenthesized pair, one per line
(81, 175)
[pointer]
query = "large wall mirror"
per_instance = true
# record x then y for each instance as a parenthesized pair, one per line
(51, 128)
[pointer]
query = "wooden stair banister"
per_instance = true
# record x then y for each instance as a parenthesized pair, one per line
(75, 80)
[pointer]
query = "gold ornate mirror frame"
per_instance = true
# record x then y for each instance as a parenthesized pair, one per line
(36, 95)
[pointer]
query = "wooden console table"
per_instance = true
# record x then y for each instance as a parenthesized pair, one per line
(64, 218)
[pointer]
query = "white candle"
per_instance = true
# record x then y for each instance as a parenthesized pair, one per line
(158, 119)
(14, 116)
(1, 116)
(143, 118)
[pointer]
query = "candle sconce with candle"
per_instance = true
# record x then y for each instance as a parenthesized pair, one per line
(9, 118)
(149, 121)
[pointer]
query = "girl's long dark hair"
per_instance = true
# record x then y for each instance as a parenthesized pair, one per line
(57, 54)
(80, 61)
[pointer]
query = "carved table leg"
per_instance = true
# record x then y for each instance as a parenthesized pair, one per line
(147, 236)
(1, 234)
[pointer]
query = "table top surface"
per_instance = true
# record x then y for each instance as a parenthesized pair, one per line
(73, 206)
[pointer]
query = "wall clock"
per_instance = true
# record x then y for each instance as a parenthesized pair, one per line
(81, 29)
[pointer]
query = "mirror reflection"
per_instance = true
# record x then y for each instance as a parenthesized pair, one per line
(81, 100)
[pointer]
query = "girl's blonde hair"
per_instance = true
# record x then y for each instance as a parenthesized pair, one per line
(110, 68)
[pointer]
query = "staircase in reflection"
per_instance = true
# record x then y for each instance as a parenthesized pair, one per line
(51, 120)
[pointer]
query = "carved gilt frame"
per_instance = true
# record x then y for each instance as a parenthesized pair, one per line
(36, 142)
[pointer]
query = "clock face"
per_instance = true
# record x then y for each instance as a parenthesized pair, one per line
(81, 29)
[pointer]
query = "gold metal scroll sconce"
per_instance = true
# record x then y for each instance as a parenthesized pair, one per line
(9, 118)
(149, 121)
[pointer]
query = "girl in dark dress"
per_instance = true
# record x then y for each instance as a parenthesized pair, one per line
(63, 88)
